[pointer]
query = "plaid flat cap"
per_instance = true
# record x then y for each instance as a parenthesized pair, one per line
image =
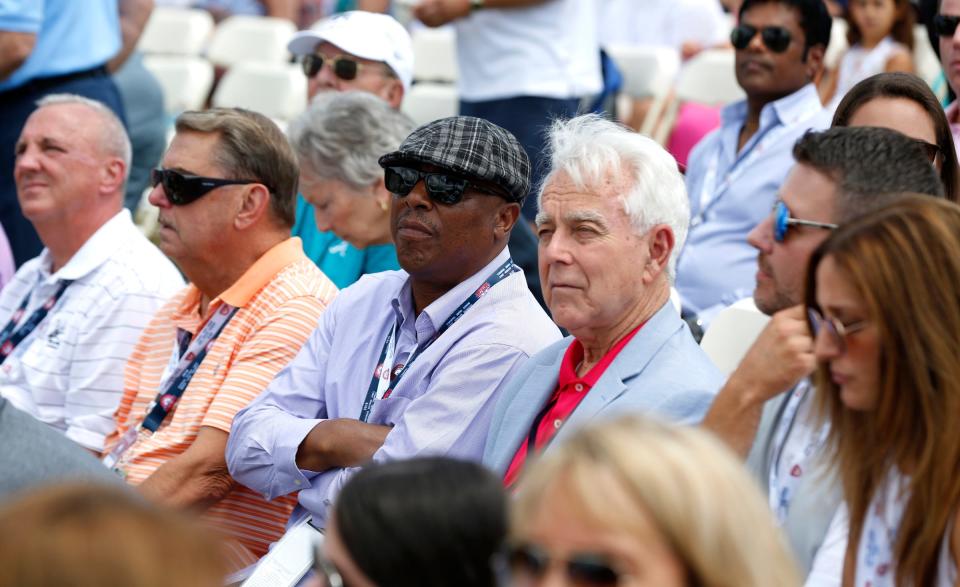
(472, 147)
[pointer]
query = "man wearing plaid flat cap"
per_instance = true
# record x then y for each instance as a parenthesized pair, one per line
(407, 362)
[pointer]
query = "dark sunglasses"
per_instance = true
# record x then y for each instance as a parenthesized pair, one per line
(530, 562)
(782, 221)
(443, 188)
(181, 189)
(776, 38)
(929, 149)
(945, 25)
(343, 67)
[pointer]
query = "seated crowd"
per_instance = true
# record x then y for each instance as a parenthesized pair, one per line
(361, 353)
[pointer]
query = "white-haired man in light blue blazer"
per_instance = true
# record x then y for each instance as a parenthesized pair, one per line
(613, 212)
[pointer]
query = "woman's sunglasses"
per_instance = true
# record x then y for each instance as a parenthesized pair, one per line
(181, 189)
(929, 149)
(529, 562)
(835, 329)
(782, 221)
(343, 67)
(776, 38)
(443, 188)
(945, 25)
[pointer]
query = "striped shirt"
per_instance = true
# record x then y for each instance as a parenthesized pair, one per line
(68, 371)
(280, 299)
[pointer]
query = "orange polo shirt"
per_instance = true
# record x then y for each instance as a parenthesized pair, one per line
(280, 299)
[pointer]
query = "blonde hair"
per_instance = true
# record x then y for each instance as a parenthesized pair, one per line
(699, 496)
(98, 536)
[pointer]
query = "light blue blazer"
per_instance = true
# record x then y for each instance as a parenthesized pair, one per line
(661, 371)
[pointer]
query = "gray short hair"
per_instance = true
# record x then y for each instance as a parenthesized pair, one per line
(588, 147)
(251, 146)
(343, 134)
(113, 135)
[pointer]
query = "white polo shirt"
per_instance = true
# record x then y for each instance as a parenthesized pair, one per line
(68, 372)
(548, 50)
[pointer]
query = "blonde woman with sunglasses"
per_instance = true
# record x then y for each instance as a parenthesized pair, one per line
(634, 502)
(882, 298)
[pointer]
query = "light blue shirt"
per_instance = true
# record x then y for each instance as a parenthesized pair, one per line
(442, 404)
(731, 192)
(72, 35)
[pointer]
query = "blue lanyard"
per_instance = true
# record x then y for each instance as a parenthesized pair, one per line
(10, 338)
(191, 356)
(502, 272)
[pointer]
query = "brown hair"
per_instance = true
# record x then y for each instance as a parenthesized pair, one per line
(902, 27)
(98, 536)
(251, 147)
(909, 87)
(904, 261)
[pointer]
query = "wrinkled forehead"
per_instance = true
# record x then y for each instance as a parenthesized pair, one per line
(599, 198)
(69, 123)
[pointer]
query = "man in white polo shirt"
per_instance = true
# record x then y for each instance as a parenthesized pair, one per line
(70, 316)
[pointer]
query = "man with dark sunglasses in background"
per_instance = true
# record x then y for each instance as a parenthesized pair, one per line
(225, 194)
(733, 174)
(945, 24)
(767, 402)
(408, 362)
(72, 315)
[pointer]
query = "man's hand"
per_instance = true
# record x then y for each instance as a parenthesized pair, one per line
(436, 13)
(781, 356)
(341, 443)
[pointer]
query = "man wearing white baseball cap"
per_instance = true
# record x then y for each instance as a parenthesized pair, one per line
(363, 51)
(356, 50)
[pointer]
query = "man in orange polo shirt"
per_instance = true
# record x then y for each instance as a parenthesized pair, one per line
(226, 193)
(613, 212)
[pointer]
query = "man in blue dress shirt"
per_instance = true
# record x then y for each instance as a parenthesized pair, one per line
(733, 174)
(407, 363)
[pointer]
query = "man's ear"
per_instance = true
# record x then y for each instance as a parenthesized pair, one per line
(815, 61)
(659, 248)
(113, 174)
(507, 215)
(393, 92)
(253, 206)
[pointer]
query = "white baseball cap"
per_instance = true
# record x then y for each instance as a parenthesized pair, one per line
(370, 35)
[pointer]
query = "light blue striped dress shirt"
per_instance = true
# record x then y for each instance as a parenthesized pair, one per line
(731, 192)
(442, 405)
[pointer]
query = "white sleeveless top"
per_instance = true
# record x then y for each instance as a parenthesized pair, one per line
(875, 564)
(857, 64)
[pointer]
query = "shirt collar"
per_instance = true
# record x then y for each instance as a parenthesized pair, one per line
(785, 110)
(441, 308)
(574, 355)
(95, 252)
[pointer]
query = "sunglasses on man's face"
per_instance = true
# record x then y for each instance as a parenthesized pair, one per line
(776, 38)
(782, 221)
(343, 67)
(443, 188)
(181, 189)
(945, 25)
(529, 563)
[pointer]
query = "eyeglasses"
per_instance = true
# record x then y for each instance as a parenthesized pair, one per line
(326, 571)
(945, 25)
(776, 38)
(782, 221)
(343, 67)
(443, 188)
(836, 330)
(929, 149)
(181, 189)
(529, 563)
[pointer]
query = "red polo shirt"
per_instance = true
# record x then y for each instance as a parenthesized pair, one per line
(570, 391)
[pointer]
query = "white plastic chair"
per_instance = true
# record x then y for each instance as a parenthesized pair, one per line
(709, 78)
(251, 39)
(275, 90)
(176, 31)
(186, 80)
(731, 334)
(435, 55)
(426, 102)
(647, 71)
